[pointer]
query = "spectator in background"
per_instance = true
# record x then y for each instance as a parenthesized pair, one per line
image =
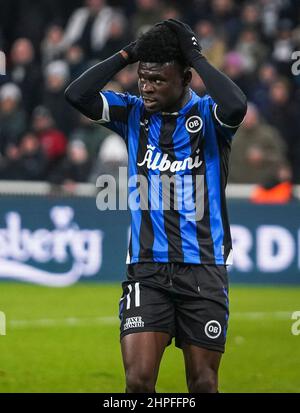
(213, 46)
(73, 168)
(12, 116)
(75, 58)
(30, 17)
(251, 49)
(257, 153)
(250, 18)
(52, 140)
(56, 78)
(147, 14)
(224, 15)
(112, 155)
(26, 73)
(117, 34)
(25, 161)
(234, 67)
(259, 95)
(283, 47)
(283, 113)
(10, 163)
(89, 26)
(3, 78)
(90, 134)
(169, 11)
(32, 162)
(280, 191)
(197, 10)
(51, 46)
(270, 10)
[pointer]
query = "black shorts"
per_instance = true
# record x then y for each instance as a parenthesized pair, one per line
(187, 301)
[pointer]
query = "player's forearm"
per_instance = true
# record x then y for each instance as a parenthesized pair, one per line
(83, 93)
(231, 101)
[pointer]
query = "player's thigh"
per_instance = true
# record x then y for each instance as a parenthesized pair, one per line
(201, 362)
(142, 353)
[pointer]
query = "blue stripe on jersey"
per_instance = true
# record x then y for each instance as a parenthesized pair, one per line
(122, 100)
(188, 229)
(212, 162)
(133, 145)
(116, 99)
(160, 243)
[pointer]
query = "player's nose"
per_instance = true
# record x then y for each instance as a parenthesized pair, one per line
(147, 87)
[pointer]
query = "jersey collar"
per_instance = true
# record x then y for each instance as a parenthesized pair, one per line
(185, 108)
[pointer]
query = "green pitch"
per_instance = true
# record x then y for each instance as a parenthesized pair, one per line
(67, 340)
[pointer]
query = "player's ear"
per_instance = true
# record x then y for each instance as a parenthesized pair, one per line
(187, 76)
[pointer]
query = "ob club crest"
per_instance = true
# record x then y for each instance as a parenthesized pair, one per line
(194, 124)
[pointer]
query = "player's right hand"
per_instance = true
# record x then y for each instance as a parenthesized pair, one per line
(131, 52)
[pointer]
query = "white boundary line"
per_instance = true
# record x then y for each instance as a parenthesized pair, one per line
(62, 322)
(112, 320)
(261, 315)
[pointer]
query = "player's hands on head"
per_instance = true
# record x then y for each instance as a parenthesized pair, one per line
(188, 42)
(131, 53)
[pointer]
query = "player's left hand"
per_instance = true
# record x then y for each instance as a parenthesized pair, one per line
(189, 44)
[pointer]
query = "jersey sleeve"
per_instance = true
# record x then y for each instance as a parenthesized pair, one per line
(115, 111)
(210, 108)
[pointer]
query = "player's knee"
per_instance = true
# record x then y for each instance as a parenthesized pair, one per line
(139, 382)
(206, 382)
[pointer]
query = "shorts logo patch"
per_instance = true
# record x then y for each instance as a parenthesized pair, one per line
(194, 124)
(133, 322)
(213, 329)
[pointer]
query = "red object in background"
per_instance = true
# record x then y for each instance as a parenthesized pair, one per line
(54, 143)
(279, 194)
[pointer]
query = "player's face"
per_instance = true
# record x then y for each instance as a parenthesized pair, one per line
(161, 86)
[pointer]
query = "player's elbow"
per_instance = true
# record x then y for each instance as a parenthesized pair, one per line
(72, 96)
(237, 112)
(238, 115)
(242, 107)
(87, 105)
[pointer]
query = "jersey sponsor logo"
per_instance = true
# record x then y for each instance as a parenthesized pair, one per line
(157, 160)
(133, 322)
(194, 124)
(213, 329)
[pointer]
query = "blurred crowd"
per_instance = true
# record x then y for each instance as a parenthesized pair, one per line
(48, 43)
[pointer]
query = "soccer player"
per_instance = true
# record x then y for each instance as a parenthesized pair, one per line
(177, 282)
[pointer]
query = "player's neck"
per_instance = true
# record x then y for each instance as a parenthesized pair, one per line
(182, 101)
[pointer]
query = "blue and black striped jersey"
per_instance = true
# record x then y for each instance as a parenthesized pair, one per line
(182, 146)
